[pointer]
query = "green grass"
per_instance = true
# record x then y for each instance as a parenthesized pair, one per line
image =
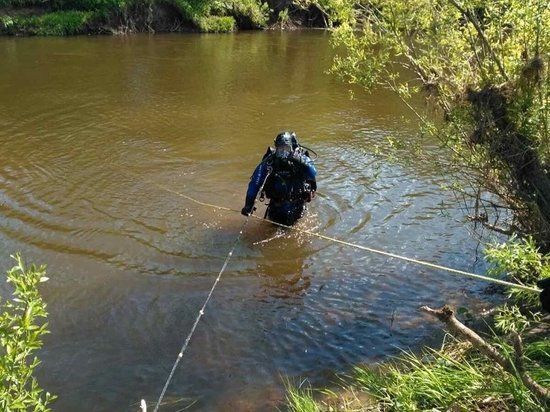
(60, 23)
(453, 378)
(300, 399)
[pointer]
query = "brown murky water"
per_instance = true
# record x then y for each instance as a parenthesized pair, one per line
(99, 139)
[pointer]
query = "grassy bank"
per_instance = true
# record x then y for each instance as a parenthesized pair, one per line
(453, 378)
(69, 17)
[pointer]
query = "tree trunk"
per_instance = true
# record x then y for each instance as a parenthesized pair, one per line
(530, 181)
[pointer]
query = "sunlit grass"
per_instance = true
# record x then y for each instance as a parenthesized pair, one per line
(300, 397)
(60, 23)
(454, 378)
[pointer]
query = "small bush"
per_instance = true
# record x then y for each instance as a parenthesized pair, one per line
(6, 23)
(216, 24)
(522, 262)
(257, 13)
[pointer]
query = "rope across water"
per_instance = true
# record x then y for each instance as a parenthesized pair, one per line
(365, 248)
(201, 313)
(331, 239)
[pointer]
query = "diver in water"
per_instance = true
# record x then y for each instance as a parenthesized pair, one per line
(286, 176)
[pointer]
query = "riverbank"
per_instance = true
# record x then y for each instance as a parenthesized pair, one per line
(459, 376)
(94, 17)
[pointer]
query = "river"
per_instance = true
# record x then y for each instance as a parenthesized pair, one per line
(102, 142)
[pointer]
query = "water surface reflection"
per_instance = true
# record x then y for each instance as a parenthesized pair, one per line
(101, 141)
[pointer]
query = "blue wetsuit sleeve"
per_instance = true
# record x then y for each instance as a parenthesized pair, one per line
(257, 180)
(308, 167)
(311, 171)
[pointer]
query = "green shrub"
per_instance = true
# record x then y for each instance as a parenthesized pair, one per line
(89, 5)
(257, 12)
(214, 15)
(194, 9)
(216, 24)
(66, 17)
(20, 336)
(6, 23)
(522, 262)
(21, 3)
(61, 23)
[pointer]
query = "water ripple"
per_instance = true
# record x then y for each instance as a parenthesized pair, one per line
(102, 143)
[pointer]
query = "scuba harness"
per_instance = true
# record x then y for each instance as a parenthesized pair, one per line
(285, 180)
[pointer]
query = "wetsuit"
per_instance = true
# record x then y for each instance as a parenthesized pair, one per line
(289, 183)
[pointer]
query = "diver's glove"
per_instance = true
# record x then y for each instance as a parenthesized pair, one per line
(544, 296)
(248, 206)
(298, 157)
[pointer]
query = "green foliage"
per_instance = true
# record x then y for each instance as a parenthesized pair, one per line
(482, 68)
(60, 23)
(283, 17)
(88, 5)
(67, 4)
(21, 3)
(337, 11)
(421, 386)
(256, 11)
(454, 378)
(192, 9)
(52, 24)
(216, 15)
(20, 337)
(538, 354)
(510, 319)
(216, 24)
(6, 23)
(300, 399)
(71, 16)
(520, 260)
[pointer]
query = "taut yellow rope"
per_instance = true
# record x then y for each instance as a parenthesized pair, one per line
(368, 249)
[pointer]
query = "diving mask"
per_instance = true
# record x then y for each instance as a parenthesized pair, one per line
(283, 151)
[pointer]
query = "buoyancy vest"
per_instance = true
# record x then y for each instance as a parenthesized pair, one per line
(286, 180)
